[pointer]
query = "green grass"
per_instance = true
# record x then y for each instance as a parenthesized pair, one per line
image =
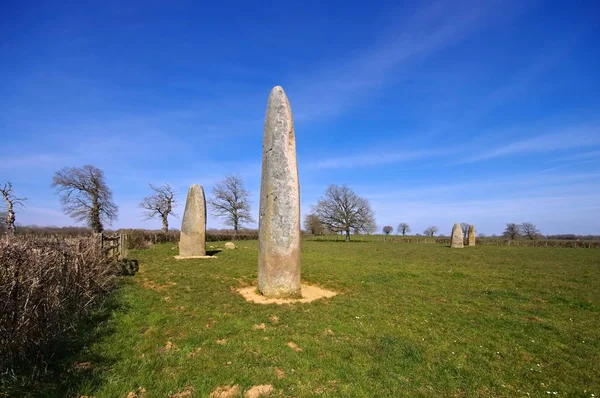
(410, 320)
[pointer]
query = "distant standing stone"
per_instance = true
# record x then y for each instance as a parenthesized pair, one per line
(279, 219)
(230, 245)
(457, 236)
(471, 238)
(192, 242)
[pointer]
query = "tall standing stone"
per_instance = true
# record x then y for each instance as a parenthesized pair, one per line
(279, 220)
(471, 238)
(192, 242)
(457, 236)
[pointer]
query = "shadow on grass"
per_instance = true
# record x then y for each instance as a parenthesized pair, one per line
(213, 252)
(67, 366)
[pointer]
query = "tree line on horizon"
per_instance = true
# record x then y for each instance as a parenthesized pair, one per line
(513, 231)
(86, 197)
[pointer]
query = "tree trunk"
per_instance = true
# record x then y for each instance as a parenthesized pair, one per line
(10, 221)
(95, 222)
(165, 224)
(347, 235)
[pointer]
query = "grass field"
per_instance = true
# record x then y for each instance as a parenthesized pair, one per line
(409, 320)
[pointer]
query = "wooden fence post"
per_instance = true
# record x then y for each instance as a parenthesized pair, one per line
(123, 245)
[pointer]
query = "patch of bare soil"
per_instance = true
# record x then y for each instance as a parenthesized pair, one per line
(187, 392)
(139, 393)
(259, 391)
(260, 326)
(309, 293)
(279, 373)
(221, 342)
(211, 322)
(168, 347)
(294, 346)
(195, 352)
(274, 319)
(225, 392)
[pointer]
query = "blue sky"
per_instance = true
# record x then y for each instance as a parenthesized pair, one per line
(438, 112)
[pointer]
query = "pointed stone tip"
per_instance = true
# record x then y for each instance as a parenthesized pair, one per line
(277, 91)
(278, 100)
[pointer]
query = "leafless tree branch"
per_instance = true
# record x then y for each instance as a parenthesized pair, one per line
(230, 201)
(160, 204)
(465, 228)
(403, 228)
(341, 210)
(431, 231)
(11, 202)
(529, 230)
(313, 224)
(512, 231)
(85, 196)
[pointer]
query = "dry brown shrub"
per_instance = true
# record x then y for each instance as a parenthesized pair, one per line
(47, 286)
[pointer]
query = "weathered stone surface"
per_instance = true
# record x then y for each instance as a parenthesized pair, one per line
(192, 242)
(457, 236)
(230, 245)
(471, 238)
(279, 219)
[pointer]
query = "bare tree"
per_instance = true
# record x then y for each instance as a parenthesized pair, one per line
(85, 196)
(340, 209)
(160, 204)
(387, 229)
(431, 231)
(512, 231)
(403, 228)
(313, 224)
(368, 228)
(231, 202)
(11, 202)
(465, 228)
(529, 230)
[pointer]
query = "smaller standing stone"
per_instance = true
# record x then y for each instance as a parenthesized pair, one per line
(230, 245)
(192, 242)
(471, 238)
(457, 236)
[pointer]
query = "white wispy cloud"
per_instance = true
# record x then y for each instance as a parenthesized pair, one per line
(375, 158)
(427, 31)
(567, 138)
(594, 155)
(13, 162)
(504, 185)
